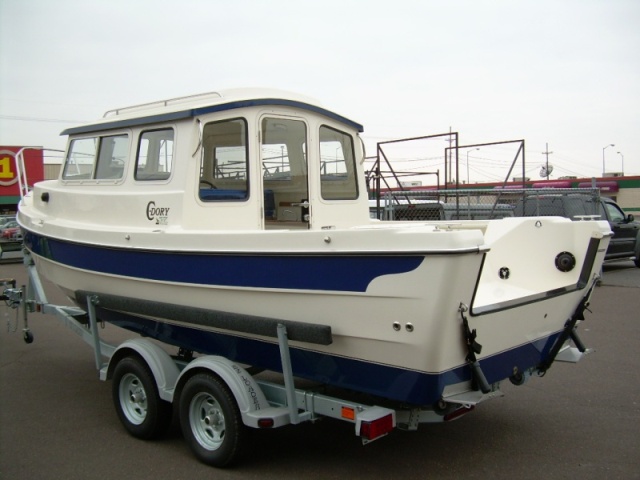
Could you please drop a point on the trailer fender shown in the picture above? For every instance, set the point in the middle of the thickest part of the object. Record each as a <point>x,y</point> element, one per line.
<point>246,391</point>
<point>164,369</point>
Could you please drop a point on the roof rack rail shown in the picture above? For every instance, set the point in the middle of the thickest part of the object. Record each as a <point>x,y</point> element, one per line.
<point>160,103</point>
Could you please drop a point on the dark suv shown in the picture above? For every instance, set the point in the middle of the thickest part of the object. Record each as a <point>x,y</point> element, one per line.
<point>625,242</point>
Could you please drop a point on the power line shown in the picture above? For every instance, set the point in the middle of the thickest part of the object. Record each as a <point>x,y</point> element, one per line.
<point>39,119</point>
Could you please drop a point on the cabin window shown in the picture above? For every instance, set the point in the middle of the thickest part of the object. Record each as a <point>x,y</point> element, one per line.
<point>337,165</point>
<point>284,149</point>
<point>97,158</point>
<point>224,168</point>
<point>81,159</point>
<point>155,155</point>
<point>112,154</point>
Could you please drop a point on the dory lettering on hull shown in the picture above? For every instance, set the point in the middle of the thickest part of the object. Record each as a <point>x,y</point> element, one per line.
<point>207,221</point>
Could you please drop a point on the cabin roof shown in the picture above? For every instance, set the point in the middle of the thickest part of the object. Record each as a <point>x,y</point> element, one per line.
<point>195,105</point>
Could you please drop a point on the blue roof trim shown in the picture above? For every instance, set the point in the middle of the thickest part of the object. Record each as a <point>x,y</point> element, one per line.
<point>131,122</point>
<point>282,103</point>
<point>193,112</point>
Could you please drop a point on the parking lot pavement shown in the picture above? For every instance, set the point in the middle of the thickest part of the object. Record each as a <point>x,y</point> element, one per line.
<point>578,421</point>
<point>621,274</point>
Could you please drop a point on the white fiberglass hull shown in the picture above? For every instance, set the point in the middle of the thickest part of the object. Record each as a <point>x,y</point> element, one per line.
<point>389,308</point>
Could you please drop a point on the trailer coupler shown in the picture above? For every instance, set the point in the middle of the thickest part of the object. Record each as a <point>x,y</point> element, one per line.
<point>7,293</point>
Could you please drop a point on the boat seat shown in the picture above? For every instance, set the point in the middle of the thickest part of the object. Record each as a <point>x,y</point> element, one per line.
<point>219,194</point>
<point>213,194</point>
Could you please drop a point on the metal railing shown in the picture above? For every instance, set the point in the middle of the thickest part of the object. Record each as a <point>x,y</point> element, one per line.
<point>21,171</point>
<point>484,204</point>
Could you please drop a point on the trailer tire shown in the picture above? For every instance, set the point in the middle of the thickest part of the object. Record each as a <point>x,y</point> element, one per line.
<point>211,421</point>
<point>138,405</point>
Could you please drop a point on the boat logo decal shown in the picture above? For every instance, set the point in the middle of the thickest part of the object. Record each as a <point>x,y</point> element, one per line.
<point>504,273</point>
<point>159,215</point>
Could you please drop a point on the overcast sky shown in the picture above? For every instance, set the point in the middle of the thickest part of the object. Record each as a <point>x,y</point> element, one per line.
<point>566,73</point>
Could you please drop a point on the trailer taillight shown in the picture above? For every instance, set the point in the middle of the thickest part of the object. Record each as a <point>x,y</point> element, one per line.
<point>370,430</point>
<point>265,423</point>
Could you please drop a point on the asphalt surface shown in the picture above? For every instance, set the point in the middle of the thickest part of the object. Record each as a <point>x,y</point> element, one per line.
<point>57,420</point>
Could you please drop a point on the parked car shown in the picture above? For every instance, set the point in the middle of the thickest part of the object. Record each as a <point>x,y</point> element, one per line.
<point>12,233</point>
<point>4,219</point>
<point>625,242</point>
<point>8,225</point>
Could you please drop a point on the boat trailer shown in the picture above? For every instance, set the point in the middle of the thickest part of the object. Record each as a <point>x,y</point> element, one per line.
<point>217,398</point>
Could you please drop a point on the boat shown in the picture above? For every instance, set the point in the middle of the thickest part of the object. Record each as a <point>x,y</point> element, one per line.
<point>207,221</point>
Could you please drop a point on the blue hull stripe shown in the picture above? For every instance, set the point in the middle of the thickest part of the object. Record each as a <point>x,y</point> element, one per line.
<point>389,382</point>
<point>328,272</point>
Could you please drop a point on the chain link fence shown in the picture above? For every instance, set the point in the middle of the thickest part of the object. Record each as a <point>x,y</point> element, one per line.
<point>484,204</point>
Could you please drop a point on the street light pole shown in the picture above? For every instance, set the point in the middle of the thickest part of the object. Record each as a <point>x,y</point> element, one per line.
<point>603,149</point>
<point>622,167</point>
<point>468,164</point>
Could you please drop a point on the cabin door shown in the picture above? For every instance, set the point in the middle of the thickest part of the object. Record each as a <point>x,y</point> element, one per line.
<point>285,173</point>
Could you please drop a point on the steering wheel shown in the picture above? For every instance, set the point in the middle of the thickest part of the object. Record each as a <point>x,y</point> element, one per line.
<point>207,182</point>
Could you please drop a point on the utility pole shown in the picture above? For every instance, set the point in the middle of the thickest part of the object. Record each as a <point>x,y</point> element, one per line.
<point>449,178</point>
<point>547,153</point>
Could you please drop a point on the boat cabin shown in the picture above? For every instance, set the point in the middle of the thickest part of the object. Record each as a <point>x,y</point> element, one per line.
<point>240,159</point>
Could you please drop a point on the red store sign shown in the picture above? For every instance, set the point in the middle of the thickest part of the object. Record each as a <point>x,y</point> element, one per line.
<point>33,163</point>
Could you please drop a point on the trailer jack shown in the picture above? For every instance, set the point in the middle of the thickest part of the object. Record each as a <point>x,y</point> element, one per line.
<point>14,299</point>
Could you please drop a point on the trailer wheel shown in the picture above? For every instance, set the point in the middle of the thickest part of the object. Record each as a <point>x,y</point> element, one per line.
<point>211,421</point>
<point>135,395</point>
